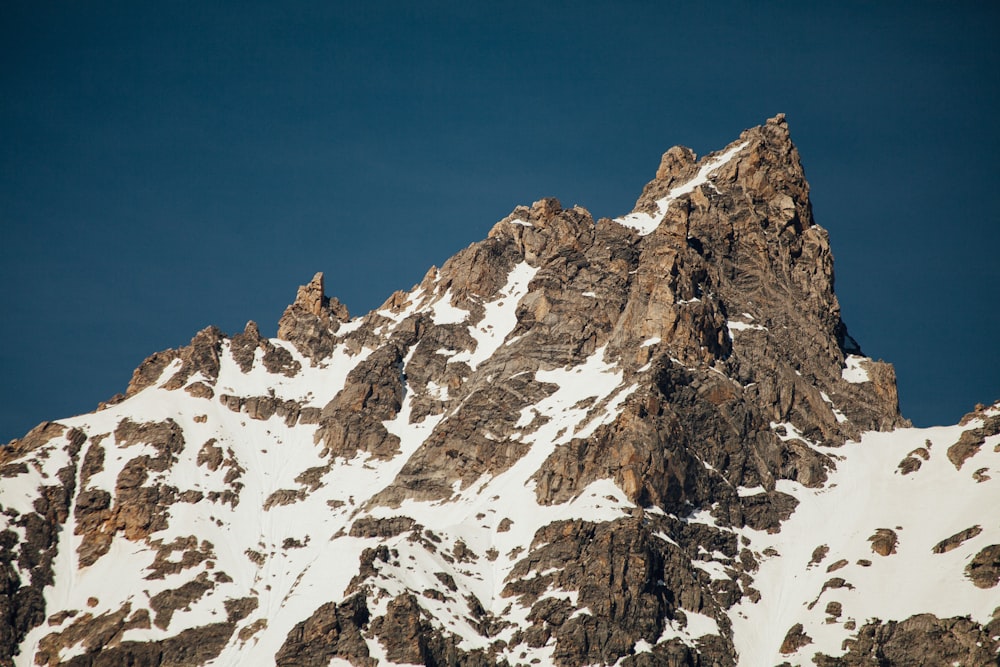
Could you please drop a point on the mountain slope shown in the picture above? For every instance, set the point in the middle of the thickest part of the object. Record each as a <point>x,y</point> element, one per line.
<point>647,440</point>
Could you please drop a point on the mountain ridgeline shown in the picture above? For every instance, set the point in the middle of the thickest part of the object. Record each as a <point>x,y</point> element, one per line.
<point>641,441</point>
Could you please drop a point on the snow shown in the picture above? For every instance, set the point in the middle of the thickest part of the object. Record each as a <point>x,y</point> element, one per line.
<point>594,379</point>
<point>791,432</point>
<point>289,583</point>
<point>645,223</point>
<point>666,538</point>
<point>853,370</point>
<point>715,570</point>
<point>500,318</point>
<point>350,327</point>
<point>698,625</point>
<point>735,325</point>
<point>443,312</point>
<point>866,493</point>
<point>472,517</point>
<point>838,415</point>
<point>19,493</point>
<point>415,298</point>
<point>313,386</point>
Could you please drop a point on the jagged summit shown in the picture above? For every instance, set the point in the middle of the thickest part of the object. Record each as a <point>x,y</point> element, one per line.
<point>626,441</point>
<point>312,319</point>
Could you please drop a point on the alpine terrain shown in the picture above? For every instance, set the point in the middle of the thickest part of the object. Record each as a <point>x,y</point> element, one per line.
<point>641,441</point>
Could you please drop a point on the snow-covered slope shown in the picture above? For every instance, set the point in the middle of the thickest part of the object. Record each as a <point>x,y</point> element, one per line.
<point>638,441</point>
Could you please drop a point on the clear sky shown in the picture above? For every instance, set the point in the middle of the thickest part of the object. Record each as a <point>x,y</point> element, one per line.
<point>166,166</point>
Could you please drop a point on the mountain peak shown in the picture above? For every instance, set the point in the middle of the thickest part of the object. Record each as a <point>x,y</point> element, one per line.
<point>576,442</point>
<point>312,296</point>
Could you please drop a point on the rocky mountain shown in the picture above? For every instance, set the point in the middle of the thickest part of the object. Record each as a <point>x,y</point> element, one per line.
<point>641,441</point>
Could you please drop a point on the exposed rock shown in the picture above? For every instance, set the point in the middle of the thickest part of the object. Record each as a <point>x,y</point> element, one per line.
<point>210,455</point>
<point>919,640</point>
<point>984,568</point>
<point>372,527</point>
<point>947,544</point>
<point>26,556</point>
<point>408,637</point>
<point>971,440</point>
<point>200,390</point>
<point>93,632</point>
<point>237,610</point>
<point>166,602</point>
<point>284,497</point>
<point>312,320</point>
<point>167,563</point>
<point>34,439</point>
<point>200,356</point>
<point>884,541</point>
<point>332,631</point>
<point>264,407</point>
<point>795,639</point>
<point>836,565</point>
<point>818,554</point>
<point>353,421</point>
<point>136,509</point>
<point>587,558</point>
<point>150,371</point>
<point>191,647</point>
<point>275,359</point>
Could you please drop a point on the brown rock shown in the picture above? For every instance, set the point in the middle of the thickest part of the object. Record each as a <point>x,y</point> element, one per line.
<point>818,554</point>
<point>794,639</point>
<point>919,640</point>
<point>331,631</point>
<point>955,541</point>
<point>884,541</point>
<point>312,320</point>
<point>971,440</point>
<point>984,568</point>
<point>200,356</point>
<point>165,603</point>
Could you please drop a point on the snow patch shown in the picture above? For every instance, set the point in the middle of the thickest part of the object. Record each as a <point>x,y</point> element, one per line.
<point>645,223</point>
<point>500,318</point>
<point>853,371</point>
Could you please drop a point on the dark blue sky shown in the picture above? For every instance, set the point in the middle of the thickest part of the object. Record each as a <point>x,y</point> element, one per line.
<point>166,166</point>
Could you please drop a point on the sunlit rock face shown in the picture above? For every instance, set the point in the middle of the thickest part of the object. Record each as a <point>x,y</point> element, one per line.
<point>640,441</point>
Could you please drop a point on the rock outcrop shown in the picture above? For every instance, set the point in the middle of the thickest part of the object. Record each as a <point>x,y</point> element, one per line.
<point>312,319</point>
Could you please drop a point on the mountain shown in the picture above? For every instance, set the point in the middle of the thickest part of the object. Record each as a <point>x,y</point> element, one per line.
<point>641,441</point>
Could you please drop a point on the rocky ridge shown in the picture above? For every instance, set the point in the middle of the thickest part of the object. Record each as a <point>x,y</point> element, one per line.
<point>647,440</point>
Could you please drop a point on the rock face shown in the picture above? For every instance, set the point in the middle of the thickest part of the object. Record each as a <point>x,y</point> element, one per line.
<point>312,320</point>
<point>577,442</point>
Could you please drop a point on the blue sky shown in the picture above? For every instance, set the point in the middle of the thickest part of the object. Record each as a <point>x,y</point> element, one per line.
<point>165,167</point>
